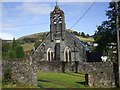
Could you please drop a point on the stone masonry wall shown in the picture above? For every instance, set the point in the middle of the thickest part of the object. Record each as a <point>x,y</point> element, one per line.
<point>98,74</point>
<point>22,70</point>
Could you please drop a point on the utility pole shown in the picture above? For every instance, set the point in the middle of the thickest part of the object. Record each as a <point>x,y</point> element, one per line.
<point>118,39</point>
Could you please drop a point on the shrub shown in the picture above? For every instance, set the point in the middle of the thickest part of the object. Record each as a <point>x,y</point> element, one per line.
<point>11,54</point>
<point>19,52</point>
<point>7,76</point>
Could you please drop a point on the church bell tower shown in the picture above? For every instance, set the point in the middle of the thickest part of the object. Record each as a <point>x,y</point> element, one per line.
<point>57,24</point>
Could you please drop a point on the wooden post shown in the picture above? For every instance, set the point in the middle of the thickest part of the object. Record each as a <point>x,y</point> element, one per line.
<point>118,39</point>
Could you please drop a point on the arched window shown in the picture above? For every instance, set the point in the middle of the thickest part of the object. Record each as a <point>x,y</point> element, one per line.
<point>50,54</point>
<point>67,54</point>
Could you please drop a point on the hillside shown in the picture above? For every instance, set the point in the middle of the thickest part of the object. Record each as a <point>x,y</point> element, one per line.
<point>36,35</point>
<point>29,41</point>
<point>28,46</point>
<point>85,39</point>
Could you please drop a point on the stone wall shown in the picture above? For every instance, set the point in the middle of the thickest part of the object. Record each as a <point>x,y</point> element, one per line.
<point>101,80</point>
<point>22,70</point>
<point>98,74</point>
<point>86,67</point>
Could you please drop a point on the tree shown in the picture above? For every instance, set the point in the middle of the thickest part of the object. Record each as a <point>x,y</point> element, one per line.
<point>83,34</point>
<point>105,35</point>
<point>12,50</point>
<point>76,33</point>
<point>11,54</point>
<point>87,35</point>
<point>19,52</point>
<point>5,48</point>
<point>14,44</point>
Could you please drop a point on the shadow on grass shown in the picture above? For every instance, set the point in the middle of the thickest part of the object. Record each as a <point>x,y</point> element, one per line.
<point>83,83</point>
<point>73,74</point>
<point>43,80</point>
<point>53,82</point>
<point>40,86</point>
<point>40,80</point>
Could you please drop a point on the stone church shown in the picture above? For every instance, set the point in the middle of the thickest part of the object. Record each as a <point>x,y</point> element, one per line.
<point>60,44</point>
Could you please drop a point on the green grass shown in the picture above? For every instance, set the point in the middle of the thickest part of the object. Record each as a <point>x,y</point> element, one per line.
<point>27,46</point>
<point>85,39</point>
<point>60,80</point>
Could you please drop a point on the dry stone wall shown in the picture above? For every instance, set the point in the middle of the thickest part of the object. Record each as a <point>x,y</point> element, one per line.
<point>98,74</point>
<point>22,70</point>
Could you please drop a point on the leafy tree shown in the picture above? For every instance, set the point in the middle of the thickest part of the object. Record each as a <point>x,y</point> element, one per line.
<point>14,44</point>
<point>19,52</point>
<point>83,34</point>
<point>87,35</point>
<point>76,33</point>
<point>5,48</point>
<point>11,54</point>
<point>105,35</point>
<point>12,50</point>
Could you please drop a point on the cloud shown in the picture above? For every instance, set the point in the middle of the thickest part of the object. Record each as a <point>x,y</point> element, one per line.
<point>6,25</point>
<point>6,36</point>
<point>34,8</point>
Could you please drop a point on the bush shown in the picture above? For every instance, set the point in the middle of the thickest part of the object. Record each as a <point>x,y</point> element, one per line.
<point>19,52</point>
<point>11,54</point>
<point>83,34</point>
<point>76,33</point>
<point>7,75</point>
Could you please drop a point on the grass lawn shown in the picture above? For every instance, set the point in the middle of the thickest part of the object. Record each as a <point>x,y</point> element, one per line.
<point>60,80</point>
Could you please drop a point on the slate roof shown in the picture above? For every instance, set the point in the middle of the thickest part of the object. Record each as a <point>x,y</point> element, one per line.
<point>78,41</point>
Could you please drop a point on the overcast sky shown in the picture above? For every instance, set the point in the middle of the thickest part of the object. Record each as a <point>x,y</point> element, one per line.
<point>24,18</point>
